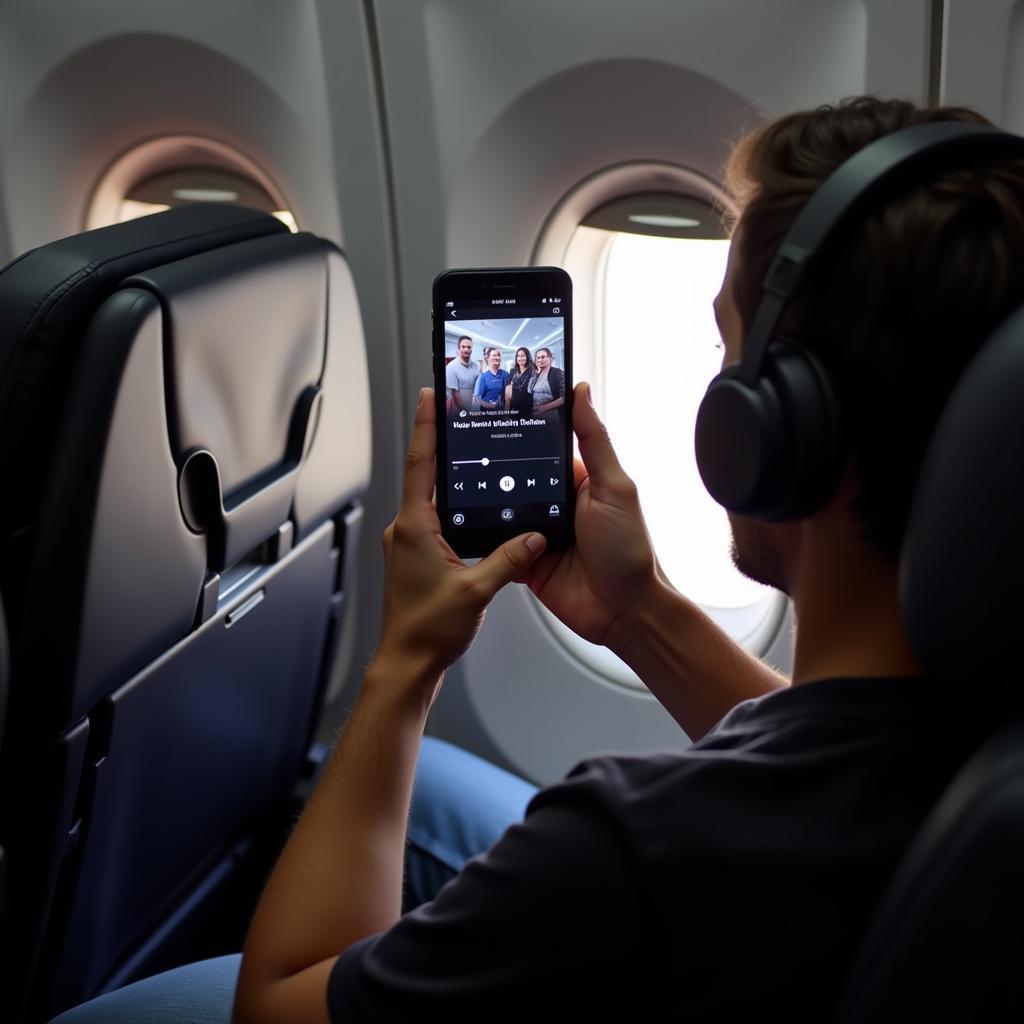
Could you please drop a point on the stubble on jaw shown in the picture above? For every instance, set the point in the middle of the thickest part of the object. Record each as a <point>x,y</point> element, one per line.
<point>754,554</point>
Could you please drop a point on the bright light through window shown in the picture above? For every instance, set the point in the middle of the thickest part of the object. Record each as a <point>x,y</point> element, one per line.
<point>177,169</point>
<point>646,263</point>
<point>130,209</point>
<point>661,348</point>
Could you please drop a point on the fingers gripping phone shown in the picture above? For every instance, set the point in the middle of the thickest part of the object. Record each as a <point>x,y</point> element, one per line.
<point>502,345</point>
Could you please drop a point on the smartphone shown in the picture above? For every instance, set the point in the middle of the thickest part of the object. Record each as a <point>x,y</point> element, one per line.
<point>502,346</point>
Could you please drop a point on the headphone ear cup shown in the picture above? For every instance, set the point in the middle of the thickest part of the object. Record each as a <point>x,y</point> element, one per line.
<point>814,452</point>
<point>738,430</point>
<point>773,451</point>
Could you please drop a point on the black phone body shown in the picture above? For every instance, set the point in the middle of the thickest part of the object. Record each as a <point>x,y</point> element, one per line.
<point>504,422</point>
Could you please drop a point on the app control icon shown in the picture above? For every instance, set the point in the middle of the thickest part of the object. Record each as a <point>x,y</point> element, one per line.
<point>481,485</point>
<point>553,480</point>
<point>460,486</point>
<point>530,482</point>
<point>507,515</point>
<point>458,519</point>
<point>554,511</point>
<point>506,483</point>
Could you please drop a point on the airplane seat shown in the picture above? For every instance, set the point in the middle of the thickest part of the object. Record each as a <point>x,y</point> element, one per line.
<point>946,942</point>
<point>4,684</point>
<point>5,676</point>
<point>186,414</point>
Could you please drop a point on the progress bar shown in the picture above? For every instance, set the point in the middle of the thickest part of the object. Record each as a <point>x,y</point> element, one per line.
<point>487,462</point>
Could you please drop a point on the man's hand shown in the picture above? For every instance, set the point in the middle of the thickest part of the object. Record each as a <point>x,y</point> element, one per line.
<point>609,589</point>
<point>433,604</point>
<point>612,566</point>
<point>339,878</point>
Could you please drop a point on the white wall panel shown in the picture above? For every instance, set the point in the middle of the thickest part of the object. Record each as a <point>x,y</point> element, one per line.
<point>977,54</point>
<point>488,113</point>
<point>897,48</point>
<point>98,77</point>
<point>1013,93</point>
<point>361,176</point>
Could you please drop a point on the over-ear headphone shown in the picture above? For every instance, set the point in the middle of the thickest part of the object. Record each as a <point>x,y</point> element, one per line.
<point>769,434</point>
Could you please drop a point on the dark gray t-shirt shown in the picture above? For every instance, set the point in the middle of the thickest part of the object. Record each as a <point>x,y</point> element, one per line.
<point>730,881</point>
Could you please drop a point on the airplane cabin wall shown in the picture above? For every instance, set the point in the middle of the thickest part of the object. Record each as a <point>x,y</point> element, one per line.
<point>982,61</point>
<point>496,112</point>
<point>424,134</point>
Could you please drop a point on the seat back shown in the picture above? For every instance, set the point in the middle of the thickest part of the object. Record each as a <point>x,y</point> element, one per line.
<point>947,941</point>
<point>4,684</point>
<point>180,583</point>
<point>5,671</point>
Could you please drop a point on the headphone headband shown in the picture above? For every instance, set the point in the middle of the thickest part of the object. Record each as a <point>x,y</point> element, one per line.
<point>855,180</point>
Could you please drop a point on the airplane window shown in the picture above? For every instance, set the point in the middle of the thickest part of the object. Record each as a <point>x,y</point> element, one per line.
<point>661,348</point>
<point>177,170</point>
<point>199,185</point>
<point>646,268</point>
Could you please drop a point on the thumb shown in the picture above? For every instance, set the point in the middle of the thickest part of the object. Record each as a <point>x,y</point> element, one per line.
<point>508,562</point>
<point>603,466</point>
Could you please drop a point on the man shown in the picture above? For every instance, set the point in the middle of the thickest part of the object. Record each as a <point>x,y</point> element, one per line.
<point>735,879</point>
<point>460,377</point>
<point>732,881</point>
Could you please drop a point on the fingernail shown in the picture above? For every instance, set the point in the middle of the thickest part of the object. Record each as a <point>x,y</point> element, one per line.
<point>419,400</point>
<point>590,397</point>
<point>534,543</point>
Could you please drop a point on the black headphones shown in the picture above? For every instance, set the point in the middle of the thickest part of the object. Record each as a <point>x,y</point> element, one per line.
<point>769,434</point>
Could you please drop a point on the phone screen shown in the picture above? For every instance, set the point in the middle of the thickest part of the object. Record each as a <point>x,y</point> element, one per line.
<point>503,368</point>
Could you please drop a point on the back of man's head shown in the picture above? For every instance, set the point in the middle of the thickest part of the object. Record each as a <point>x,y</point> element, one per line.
<point>902,298</point>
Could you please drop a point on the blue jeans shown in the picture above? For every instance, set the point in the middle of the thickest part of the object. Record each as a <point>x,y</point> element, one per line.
<point>460,807</point>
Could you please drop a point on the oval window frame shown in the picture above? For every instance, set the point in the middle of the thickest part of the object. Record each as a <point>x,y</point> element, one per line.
<point>551,249</point>
<point>164,154</point>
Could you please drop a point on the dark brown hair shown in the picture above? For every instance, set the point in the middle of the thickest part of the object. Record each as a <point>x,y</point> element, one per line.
<point>902,297</point>
<point>529,368</point>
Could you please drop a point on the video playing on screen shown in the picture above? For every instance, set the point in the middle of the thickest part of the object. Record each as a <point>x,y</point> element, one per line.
<point>505,391</point>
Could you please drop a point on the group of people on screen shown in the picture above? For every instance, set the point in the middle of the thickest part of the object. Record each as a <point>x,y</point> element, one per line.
<point>532,387</point>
